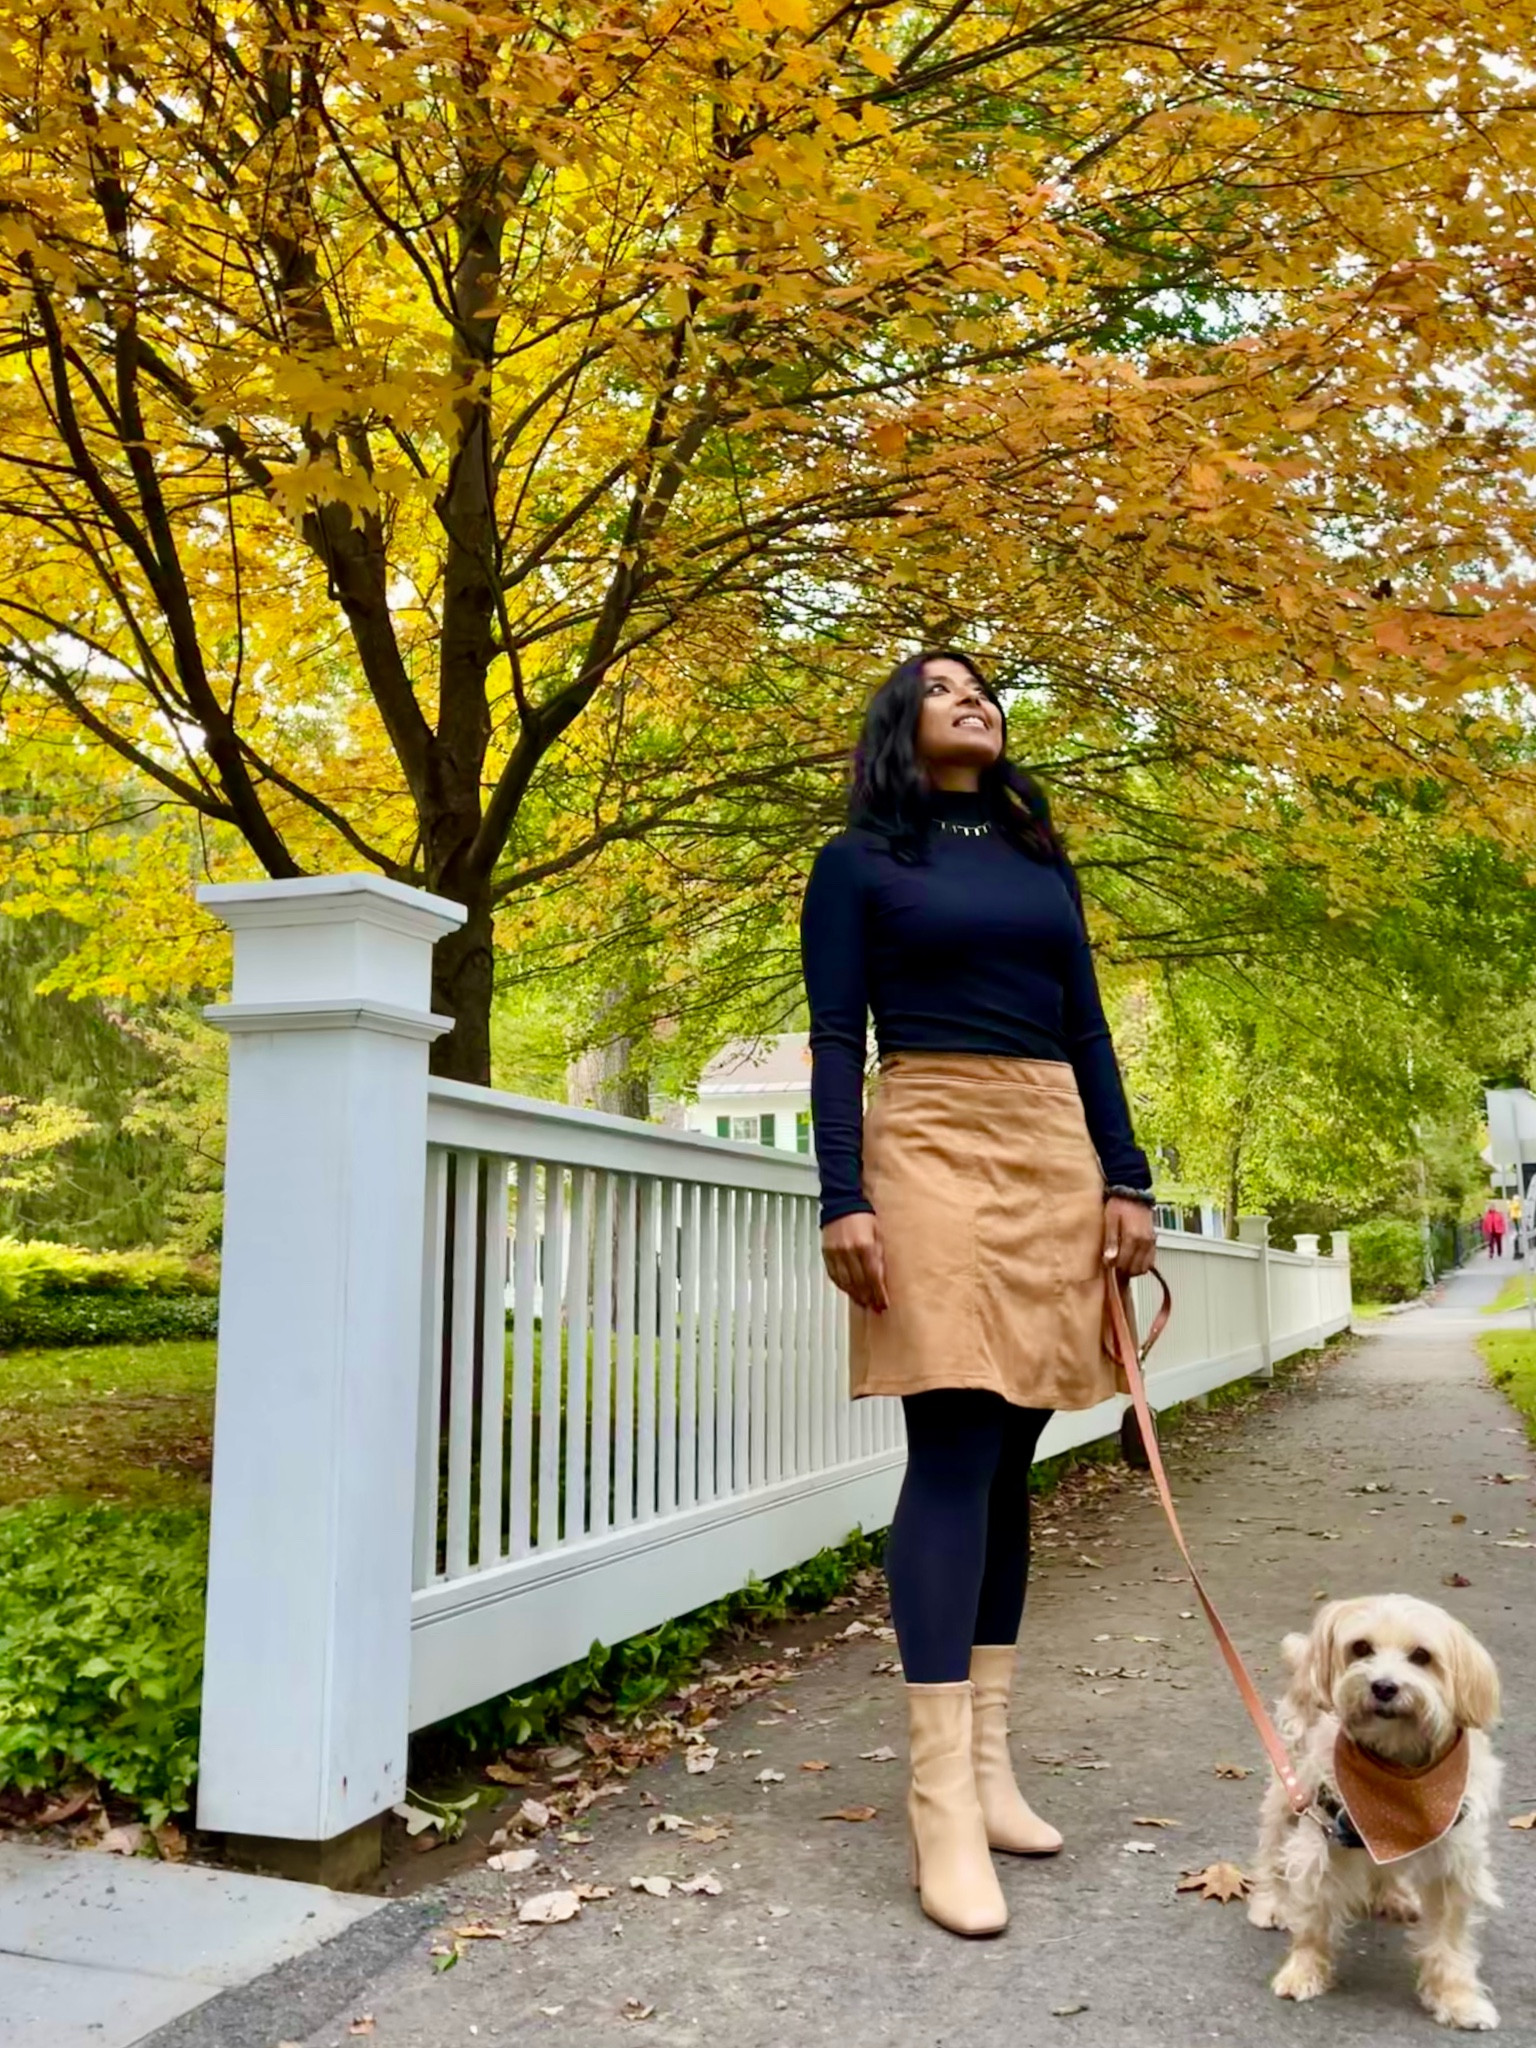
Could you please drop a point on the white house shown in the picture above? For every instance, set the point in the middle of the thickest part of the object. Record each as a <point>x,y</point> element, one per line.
<point>758,1091</point>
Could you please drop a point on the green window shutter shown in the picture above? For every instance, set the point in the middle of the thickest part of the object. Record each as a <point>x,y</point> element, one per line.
<point>765,1129</point>
<point>722,1127</point>
<point>803,1131</point>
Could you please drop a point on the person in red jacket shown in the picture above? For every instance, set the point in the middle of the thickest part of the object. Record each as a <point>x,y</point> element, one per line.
<point>1494,1226</point>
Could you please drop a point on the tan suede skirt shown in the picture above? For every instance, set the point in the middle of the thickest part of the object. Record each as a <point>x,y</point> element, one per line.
<point>990,1201</point>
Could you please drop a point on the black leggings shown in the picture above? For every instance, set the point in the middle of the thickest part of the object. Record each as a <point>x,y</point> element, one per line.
<point>957,1558</point>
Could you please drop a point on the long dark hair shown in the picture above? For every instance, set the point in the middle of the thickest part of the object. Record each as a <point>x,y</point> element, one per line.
<point>891,794</point>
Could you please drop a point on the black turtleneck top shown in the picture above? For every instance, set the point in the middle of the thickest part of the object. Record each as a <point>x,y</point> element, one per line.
<point>976,948</point>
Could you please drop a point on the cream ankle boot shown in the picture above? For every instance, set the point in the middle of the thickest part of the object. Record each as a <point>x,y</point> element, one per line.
<point>951,1869</point>
<point>1011,1822</point>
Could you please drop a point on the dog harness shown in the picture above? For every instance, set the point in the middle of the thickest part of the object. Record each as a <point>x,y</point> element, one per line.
<point>1388,1810</point>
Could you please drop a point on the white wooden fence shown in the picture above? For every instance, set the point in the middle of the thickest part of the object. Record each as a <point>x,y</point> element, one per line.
<point>423,1499</point>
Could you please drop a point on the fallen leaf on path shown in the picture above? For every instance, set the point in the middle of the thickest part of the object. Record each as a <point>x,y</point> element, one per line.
<point>1513,1543</point>
<point>562,1759</point>
<point>125,1841</point>
<point>1234,1771</point>
<point>770,1777</point>
<point>1219,1881</point>
<point>171,1842</point>
<point>698,1761</point>
<point>1138,1849</point>
<point>551,2012</point>
<point>1455,1579</point>
<point>658,1887</point>
<point>815,1764</point>
<point>713,1832</point>
<point>533,1813</point>
<point>1094,1564</point>
<point>1067,2012</point>
<point>64,1809</point>
<point>706,1882</point>
<point>668,1824</point>
<point>636,2009</point>
<point>363,2024</point>
<point>854,1628</point>
<point>504,1774</point>
<point>1457,1520</point>
<point>854,1813</point>
<point>1524,1820</point>
<point>748,1754</point>
<point>586,1892</point>
<point>479,1930</point>
<point>549,1908</point>
<point>884,1755</point>
<point>1152,1820</point>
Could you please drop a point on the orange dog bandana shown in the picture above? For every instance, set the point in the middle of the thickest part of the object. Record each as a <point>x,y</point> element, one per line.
<point>1396,1811</point>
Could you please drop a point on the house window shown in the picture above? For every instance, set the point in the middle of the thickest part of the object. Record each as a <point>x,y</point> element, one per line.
<point>722,1127</point>
<point>743,1129</point>
<point>803,1131</point>
<point>765,1130</point>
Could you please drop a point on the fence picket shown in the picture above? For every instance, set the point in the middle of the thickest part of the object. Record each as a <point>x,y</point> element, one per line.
<point>711,1202</point>
<point>461,1356</point>
<point>573,1520</point>
<point>493,1361</point>
<point>624,1360</point>
<point>551,1348</point>
<point>601,1490</point>
<point>645,1451</point>
<point>666,1350</point>
<point>773,1341</point>
<point>525,1267</point>
<point>688,1347</point>
<point>429,1406</point>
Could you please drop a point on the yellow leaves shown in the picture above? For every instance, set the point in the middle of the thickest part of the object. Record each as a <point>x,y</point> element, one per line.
<point>764,16</point>
<point>890,439</point>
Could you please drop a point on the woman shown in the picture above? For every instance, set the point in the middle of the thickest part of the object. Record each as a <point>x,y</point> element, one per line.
<point>971,1219</point>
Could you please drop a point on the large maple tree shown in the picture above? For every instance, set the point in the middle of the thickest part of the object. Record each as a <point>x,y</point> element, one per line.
<point>456,439</point>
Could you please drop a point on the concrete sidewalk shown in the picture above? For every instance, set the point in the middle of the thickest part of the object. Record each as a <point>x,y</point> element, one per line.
<point>1347,1486</point>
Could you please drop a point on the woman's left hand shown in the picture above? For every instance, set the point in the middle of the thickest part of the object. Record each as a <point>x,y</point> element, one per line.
<point>1130,1236</point>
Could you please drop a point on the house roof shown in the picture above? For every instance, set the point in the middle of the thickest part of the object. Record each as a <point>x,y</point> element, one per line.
<point>760,1064</point>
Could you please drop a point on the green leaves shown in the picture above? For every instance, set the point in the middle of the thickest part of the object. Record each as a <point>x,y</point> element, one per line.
<point>101,1649</point>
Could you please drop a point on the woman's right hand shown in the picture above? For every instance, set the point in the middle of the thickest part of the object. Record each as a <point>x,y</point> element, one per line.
<point>855,1259</point>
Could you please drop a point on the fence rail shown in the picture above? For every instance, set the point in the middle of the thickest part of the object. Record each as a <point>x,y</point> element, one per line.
<point>498,1379</point>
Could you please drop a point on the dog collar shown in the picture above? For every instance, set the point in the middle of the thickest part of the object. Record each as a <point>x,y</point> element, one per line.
<point>1389,1810</point>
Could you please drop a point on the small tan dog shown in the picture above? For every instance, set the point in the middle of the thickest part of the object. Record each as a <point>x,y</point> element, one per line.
<point>1393,1697</point>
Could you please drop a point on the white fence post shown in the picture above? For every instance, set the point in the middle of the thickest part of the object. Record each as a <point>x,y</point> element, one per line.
<point>1255,1230</point>
<point>306,1686</point>
<point>1306,1245</point>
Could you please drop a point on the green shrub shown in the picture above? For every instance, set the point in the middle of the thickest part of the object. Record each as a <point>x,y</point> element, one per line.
<point>40,1270</point>
<point>50,1321</point>
<point>1386,1259</point>
<point>101,1648</point>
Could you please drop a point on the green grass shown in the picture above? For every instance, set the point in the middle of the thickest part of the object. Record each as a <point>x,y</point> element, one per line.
<point>1367,1311</point>
<point>1510,1296</point>
<point>1511,1358</point>
<point>126,1424</point>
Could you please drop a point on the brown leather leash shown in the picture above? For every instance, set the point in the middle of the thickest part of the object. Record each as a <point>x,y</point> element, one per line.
<point>1130,1359</point>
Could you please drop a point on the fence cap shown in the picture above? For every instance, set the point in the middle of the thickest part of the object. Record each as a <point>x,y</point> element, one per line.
<point>333,899</point>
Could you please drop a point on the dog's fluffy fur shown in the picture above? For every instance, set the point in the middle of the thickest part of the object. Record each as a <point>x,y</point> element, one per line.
<point>1314,1888</point>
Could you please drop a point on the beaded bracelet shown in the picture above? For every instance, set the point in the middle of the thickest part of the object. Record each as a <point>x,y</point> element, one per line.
<point>1143,1195</point>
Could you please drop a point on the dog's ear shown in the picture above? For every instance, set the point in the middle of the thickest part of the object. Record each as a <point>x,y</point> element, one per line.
<point>1312,1658</point>
<point>1474,1680</point>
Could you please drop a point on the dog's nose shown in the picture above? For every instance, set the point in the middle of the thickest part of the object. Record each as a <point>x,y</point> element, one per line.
<point>1385,1689</point>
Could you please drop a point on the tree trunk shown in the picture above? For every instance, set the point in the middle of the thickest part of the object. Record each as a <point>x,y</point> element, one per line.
<point>463,982</point>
